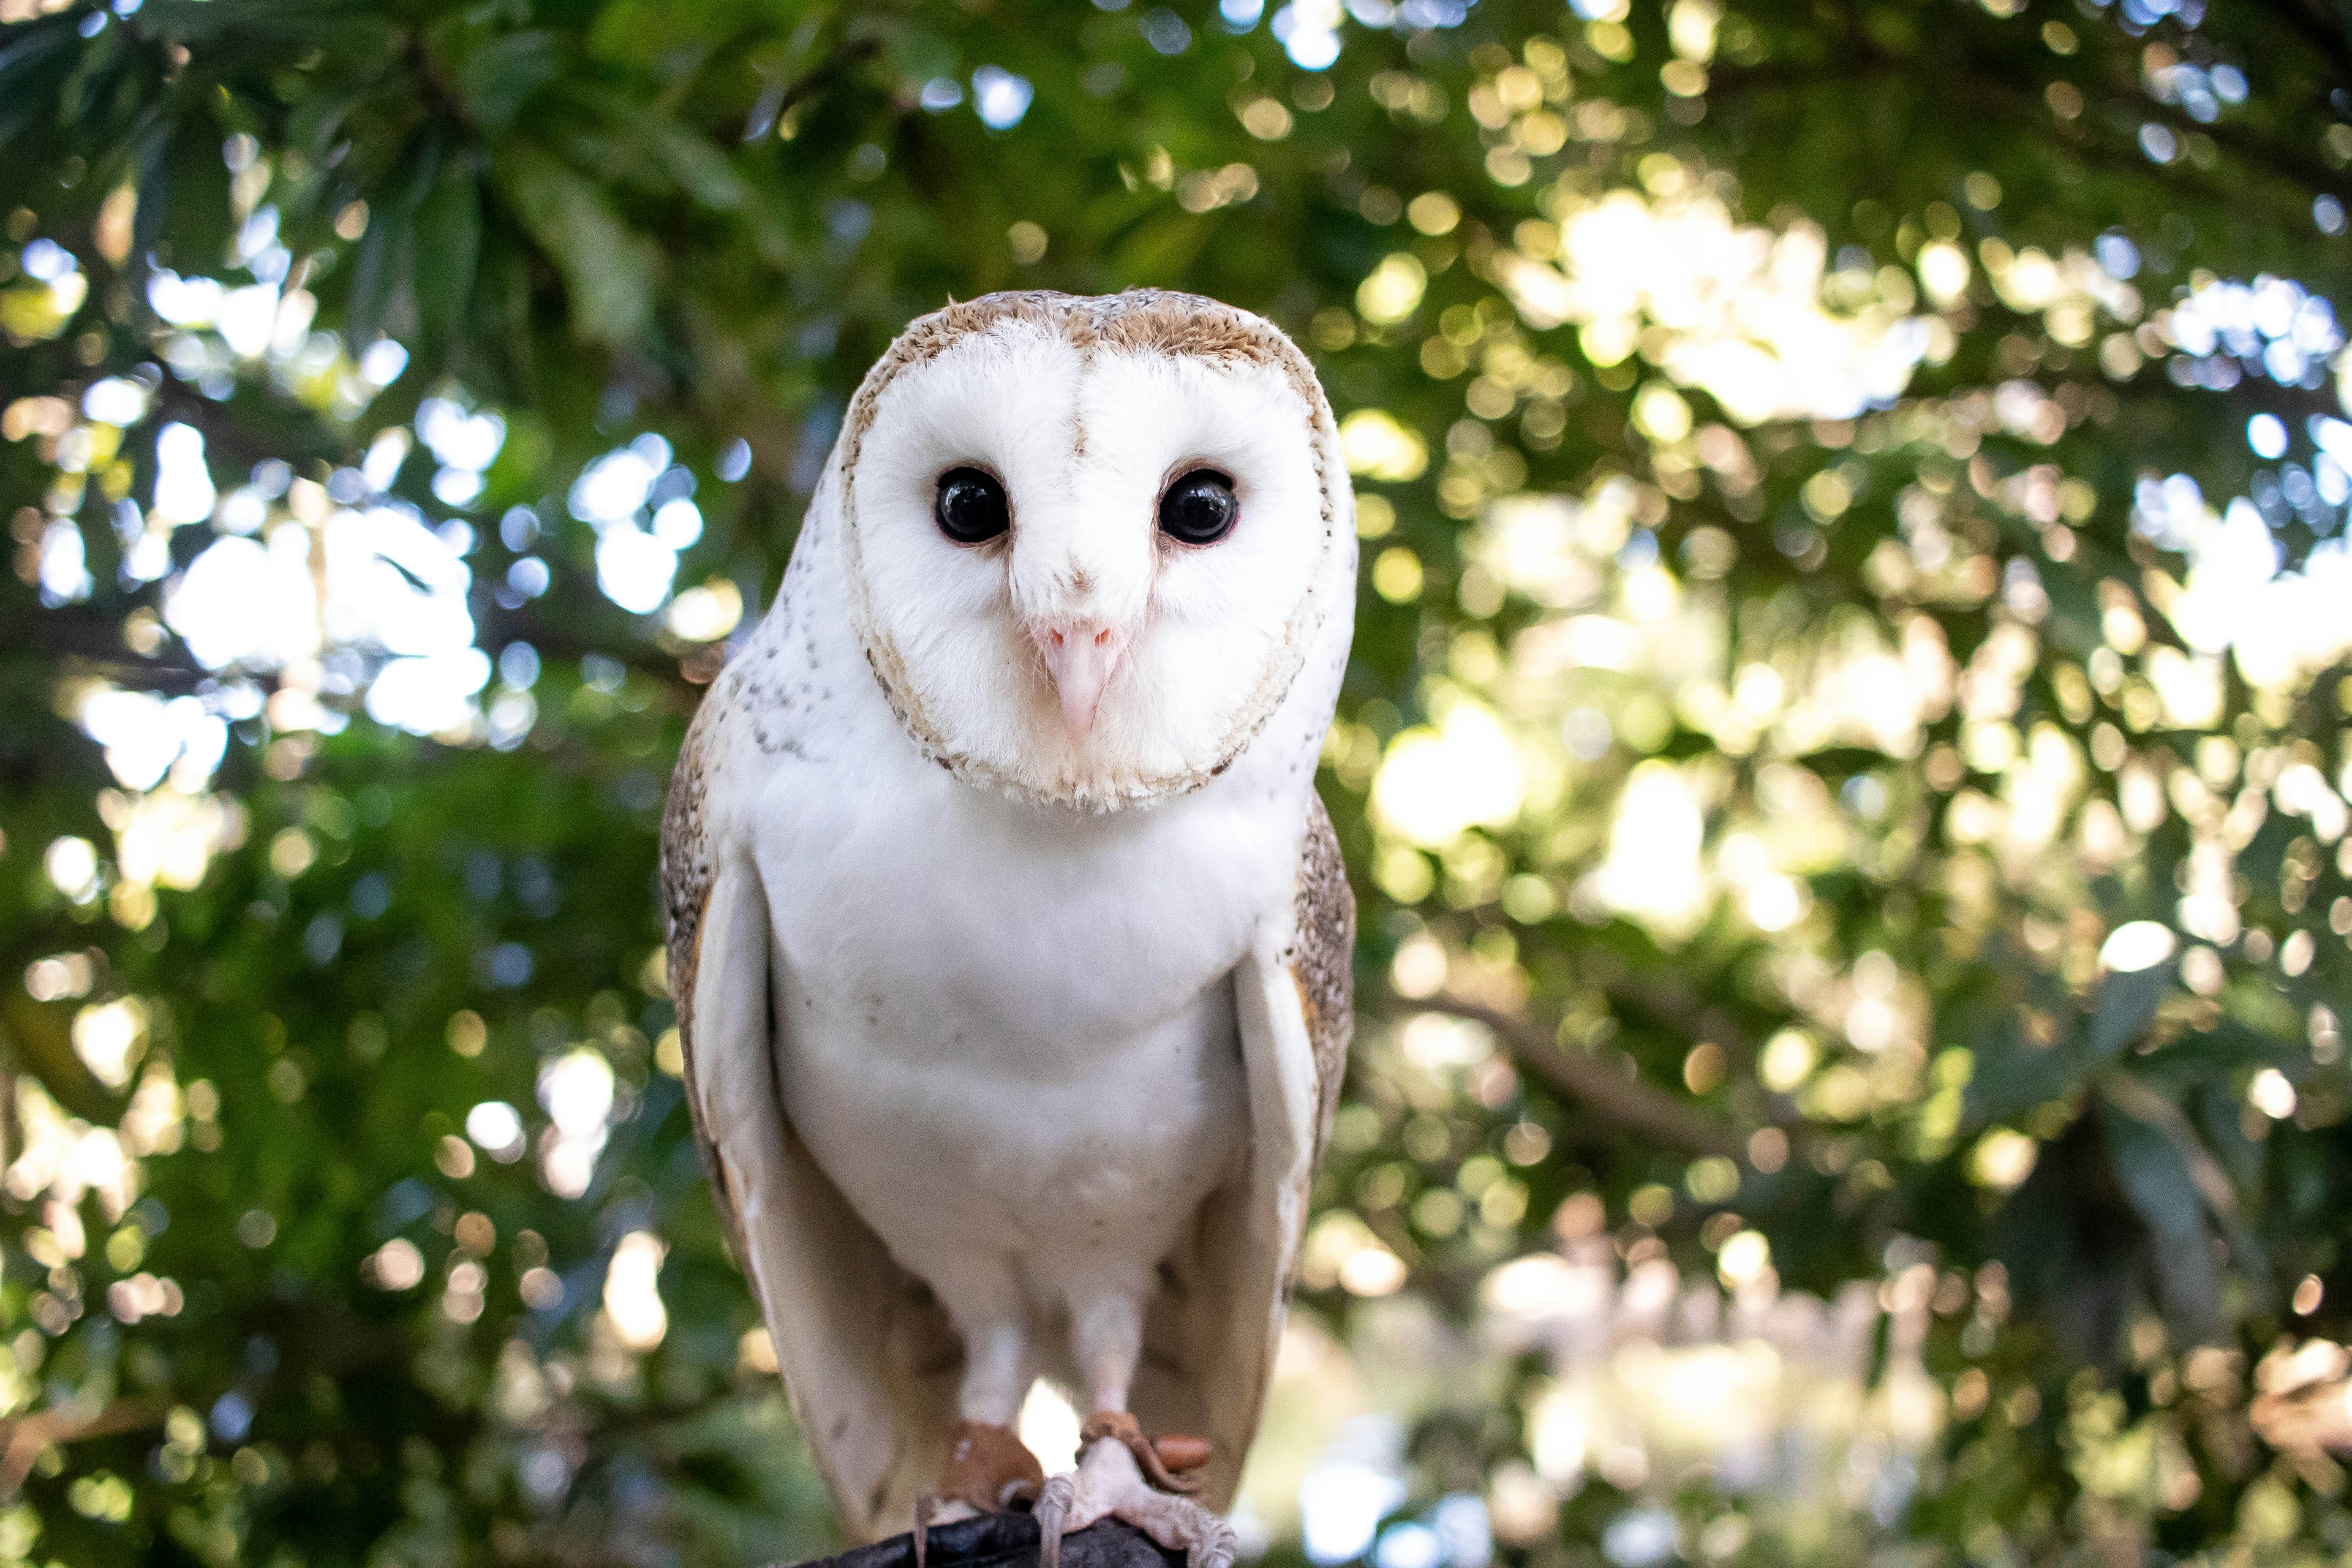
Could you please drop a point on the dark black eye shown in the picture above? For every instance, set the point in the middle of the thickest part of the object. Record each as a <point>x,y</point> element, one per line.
<point>1199,508</point>
<point>971,508</point>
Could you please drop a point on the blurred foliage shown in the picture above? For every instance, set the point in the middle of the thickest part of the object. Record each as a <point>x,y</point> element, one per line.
<point>1795,637</point>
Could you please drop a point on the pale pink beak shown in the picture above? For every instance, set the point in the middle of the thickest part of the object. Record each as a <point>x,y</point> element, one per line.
<point>1081,659</point>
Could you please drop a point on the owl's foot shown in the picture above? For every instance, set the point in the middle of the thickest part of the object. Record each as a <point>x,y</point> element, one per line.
<point>1173,1463</point>
<point>1111,1483</point>
<point>989,1470</point>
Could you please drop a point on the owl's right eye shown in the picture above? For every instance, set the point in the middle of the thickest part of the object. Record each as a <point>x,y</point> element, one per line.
<point>971,508</point>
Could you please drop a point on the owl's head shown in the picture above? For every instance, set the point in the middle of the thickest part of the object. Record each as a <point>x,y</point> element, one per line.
<point>1091,542</point>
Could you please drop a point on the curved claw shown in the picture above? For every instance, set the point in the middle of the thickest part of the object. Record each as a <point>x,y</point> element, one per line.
<point>925,1506</point>
<point>1216,1545</point>
<point>1053,1511</point>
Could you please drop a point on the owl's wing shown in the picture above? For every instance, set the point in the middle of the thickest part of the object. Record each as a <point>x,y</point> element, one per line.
<point>1212,1331</point>
<point>867,1356</point>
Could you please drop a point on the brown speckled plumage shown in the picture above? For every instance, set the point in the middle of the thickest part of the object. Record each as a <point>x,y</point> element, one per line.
<point>1321,959</point>
<point>688,870</point>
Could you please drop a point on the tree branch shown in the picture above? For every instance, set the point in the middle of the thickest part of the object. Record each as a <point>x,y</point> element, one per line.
<point>91,638</point>
<point>1943,77</point>
<point>495,626</point>
<point>1636,1107</point>
<point>1687,1014</point>
<point>22,1440</point>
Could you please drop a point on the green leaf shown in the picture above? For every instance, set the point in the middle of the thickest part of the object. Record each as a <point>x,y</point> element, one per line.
<point>2126,1008</point>
<point>699,168</point>
<point>496,78</point>
<point>448,249</point>
<point>35,59</point>
<point>2013,1075</point>
<point>2153,1171</point>
<point>608,271</point>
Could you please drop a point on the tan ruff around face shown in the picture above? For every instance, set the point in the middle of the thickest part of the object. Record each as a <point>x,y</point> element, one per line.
<point>1086,656</point>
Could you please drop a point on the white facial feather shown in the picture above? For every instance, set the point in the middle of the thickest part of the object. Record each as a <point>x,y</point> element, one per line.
<point>1086,433</point>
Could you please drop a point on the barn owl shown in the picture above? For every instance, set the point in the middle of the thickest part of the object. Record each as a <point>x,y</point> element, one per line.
<point>1009,938</point>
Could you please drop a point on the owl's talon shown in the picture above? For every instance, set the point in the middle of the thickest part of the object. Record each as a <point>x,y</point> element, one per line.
<point>1111,1483</point>
<point>1055,1501</point>
<point>1218,1545</point>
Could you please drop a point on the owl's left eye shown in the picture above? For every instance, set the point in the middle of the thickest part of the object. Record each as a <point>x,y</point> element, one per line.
<point>971,508</point>
<point>1200,508</point>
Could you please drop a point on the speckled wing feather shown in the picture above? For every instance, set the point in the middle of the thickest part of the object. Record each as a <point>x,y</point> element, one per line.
<point>687,873</point>
<point>1212,1331</point>
<point>867,1355</point>
<point>1321,956</point>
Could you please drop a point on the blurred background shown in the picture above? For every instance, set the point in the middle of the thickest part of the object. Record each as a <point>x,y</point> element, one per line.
<point>1844,766</point>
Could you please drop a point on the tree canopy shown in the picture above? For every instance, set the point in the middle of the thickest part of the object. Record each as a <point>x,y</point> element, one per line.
<point>1844,762</point>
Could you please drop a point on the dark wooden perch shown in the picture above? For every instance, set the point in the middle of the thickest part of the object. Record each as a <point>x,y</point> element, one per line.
<point>1010,1540</point>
